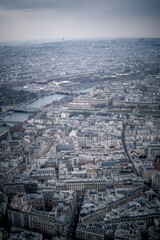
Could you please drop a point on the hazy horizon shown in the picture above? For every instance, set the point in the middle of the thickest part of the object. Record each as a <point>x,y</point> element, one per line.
<point>73,19</point>
<point>52,40</point>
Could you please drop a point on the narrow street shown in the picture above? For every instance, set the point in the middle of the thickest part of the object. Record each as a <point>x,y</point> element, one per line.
<point>76,218</point>
<point>124,142</point>
<point>125,146</point>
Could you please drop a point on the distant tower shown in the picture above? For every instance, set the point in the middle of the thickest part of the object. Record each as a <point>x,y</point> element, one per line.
<point>9,138</point>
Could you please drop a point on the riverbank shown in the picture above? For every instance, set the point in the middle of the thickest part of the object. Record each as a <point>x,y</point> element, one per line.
<point>20,117</point>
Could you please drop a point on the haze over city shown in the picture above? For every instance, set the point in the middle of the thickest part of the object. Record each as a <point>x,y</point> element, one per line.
<point>52,19</point>
<point>80,119</point>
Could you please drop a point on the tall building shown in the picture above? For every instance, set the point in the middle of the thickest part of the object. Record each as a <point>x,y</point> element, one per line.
<point>3,233</point>
<point>156,181</point>
<point>9,138</point>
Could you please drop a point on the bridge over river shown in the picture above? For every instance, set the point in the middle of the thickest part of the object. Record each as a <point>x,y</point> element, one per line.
<point>26,110</point>
<point>4,122</point>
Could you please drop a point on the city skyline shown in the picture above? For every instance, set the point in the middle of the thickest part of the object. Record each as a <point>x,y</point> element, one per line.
<point>80,139</point>
<point>31,20</point>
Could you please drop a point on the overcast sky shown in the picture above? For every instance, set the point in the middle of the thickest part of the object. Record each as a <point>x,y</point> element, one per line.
<point>44,19</point>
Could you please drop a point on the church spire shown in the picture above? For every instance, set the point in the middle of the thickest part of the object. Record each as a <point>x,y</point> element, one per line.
<point>9,138</point>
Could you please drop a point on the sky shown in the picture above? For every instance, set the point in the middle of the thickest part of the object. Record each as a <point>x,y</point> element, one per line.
<point>56,19</point>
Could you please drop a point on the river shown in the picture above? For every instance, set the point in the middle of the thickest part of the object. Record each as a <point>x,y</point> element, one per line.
<point>17,117</point>
<point>45,100</point>
<point>85,90</point>
<point>3,129</point>
<point>21,117</point>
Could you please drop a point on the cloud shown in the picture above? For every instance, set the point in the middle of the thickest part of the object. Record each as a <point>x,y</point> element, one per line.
<point>129,5</point>
<point>90,8</point>
<point>28,19</point>
<point>44,4</point>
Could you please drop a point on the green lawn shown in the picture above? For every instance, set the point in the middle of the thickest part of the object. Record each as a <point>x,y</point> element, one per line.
<point>149,112</point>
<point>119,111</point>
